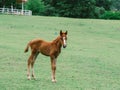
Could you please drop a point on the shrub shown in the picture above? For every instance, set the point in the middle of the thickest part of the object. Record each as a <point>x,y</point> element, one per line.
<point>111,15</point>
<point>36,6</point>
<point>99,11</point>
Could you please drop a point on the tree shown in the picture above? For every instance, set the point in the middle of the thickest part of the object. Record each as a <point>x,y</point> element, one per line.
<point>7,3</point>
<point>106,4</point>
<point>36,6</point>
<point>116,4</point>
<point>72,8</point>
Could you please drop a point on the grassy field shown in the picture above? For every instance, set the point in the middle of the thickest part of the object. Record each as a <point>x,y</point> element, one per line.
<point>91,60</point>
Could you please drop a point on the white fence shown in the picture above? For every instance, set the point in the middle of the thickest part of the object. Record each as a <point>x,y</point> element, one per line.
<point>15,11</point>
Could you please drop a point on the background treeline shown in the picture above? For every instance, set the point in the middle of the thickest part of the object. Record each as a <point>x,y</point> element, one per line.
<point>107,9</point>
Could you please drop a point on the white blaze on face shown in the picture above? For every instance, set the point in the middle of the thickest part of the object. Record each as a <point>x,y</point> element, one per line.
<point>64,41</point>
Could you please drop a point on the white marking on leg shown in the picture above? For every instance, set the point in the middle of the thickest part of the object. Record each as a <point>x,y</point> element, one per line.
<point>29,78</point>
<point>33,75</point>
<point>28,74</point>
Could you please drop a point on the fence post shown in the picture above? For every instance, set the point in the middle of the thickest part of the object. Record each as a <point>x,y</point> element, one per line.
<point>3,9</point>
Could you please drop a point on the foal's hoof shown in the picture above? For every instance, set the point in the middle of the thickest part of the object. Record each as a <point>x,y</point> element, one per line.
<point>29,78</point>
<point>54,81</point>
<point>34,78</point>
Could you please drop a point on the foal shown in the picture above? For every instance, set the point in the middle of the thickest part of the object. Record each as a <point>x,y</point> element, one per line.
<point>51,49</point>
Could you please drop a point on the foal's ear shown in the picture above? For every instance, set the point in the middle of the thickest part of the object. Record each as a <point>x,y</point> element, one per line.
<point>66,32</point>
<point>60,32</point>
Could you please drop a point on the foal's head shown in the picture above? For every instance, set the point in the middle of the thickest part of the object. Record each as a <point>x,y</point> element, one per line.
<point>63,36</point>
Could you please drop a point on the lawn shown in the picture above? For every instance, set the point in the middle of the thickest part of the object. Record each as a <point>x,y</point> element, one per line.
<point>91,60</point>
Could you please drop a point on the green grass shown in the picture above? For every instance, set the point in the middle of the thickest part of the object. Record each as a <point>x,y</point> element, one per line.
<point>91,60</point>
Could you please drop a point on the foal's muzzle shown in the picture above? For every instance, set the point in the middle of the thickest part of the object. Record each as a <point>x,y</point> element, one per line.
<point>64,46</point>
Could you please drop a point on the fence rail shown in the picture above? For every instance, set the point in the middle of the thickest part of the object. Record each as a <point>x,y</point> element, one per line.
<point>15,11</point>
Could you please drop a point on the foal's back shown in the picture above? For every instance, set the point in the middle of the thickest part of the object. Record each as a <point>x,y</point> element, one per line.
<point>41,46</point>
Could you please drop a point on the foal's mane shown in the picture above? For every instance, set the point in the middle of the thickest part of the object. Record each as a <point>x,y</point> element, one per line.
<point>57,42</point>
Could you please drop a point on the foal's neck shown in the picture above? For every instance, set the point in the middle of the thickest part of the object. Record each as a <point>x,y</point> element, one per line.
<point>58,42</point>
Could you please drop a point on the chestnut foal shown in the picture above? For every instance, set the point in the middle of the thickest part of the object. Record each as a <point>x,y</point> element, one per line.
<point>51,49</point>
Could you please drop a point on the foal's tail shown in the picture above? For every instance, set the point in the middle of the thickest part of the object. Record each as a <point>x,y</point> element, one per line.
<point>27,48</point>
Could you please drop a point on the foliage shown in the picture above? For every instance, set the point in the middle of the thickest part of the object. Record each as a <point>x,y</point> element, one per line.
<point>77,8</point>
<point>116,4</point>
<point>106,4</point>
<point>111,15</point>
<point>7,3</point>
<point>50,11</point>
<point>73,8</point>
<point>37,6</point>
<point>99,11</point>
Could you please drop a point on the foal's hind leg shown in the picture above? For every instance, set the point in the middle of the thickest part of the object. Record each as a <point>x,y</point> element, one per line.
<point>32,64</point>
<point>29,65</point>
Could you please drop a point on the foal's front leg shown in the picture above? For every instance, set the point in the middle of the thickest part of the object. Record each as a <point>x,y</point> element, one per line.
<point>53,67</point>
